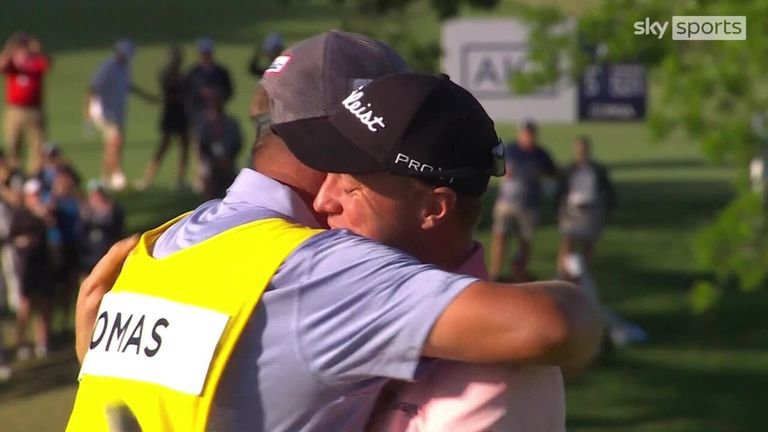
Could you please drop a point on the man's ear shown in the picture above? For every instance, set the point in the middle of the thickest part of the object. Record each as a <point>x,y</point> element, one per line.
<point>440,202</point>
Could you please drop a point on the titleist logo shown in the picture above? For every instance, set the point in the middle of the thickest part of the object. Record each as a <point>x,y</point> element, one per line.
<point>364,113</point>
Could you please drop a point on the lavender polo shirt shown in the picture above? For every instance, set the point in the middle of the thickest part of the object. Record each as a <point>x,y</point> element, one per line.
<point>341,316</point>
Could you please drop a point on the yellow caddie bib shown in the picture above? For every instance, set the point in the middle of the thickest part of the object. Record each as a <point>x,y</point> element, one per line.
<point>165,332</point>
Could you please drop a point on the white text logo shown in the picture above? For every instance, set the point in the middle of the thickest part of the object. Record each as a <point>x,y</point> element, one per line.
<point>690,27</point>
<point>413,163</point>
<point>364,113</point>
<point>278,64</point>
<point>651,28</point>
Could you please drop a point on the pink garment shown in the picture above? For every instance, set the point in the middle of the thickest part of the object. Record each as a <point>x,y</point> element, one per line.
<point>453,396</point>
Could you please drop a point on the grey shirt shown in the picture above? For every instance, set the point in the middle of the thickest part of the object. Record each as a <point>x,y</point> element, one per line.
<point>341,316</point>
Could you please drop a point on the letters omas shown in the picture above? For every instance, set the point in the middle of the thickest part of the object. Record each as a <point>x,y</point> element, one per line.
<point>115,333</point>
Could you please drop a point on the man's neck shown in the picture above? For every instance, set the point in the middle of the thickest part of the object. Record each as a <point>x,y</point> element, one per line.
<point>445,250</point>
<point>291,181</point>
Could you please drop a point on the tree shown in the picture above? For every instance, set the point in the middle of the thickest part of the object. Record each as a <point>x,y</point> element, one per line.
<point>710,89</point>
<point>406,24</point>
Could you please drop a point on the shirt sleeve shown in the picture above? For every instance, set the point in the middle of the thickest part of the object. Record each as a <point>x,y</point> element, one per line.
<point>226,83</point>
<point>97,81</point>
<point>547,163</point>
<point>365,310</point>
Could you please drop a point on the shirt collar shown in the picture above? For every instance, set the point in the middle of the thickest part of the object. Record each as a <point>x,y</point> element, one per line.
<point>475,264</point>
<point>253,188</point>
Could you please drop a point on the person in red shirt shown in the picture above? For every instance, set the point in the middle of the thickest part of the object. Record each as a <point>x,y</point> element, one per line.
<point>24,65</point>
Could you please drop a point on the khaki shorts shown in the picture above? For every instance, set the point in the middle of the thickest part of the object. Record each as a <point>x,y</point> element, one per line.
<point>23,122</point>
<point>581,223</point>
<point>109,129</point>
<point>510,219</point>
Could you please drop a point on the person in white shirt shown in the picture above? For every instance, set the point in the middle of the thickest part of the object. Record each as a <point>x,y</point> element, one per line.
<point>585,195</point>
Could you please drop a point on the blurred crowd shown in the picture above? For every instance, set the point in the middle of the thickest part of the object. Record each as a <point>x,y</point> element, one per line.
<point>51,233</point>
<point>193,113</point>
<point>583,197</point>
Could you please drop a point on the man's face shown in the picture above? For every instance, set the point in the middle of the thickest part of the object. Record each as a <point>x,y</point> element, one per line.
<point>21,53</point>
<point>206,57</point>
<point>382,207</point>
<point>64,184</point>
<point>581,150</point>
<point>526,138</point>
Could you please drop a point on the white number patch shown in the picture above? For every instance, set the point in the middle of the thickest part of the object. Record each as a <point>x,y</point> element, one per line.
<point>154,340</point>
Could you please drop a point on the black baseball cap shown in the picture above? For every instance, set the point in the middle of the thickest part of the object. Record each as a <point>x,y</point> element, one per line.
<point>413,125</point>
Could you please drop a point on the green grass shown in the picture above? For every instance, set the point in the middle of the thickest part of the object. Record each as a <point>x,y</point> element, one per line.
<point>705,374</point>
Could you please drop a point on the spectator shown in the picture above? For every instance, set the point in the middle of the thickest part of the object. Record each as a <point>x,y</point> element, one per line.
<point>102,225</point>
<point>174,120</point>
<point>584,195</point>
<point>64,235</point>
<point>270,48</point>
<point>24,65</point>
<point>28,234</point>
<point>220,143</point>
<point>11,183</point>
<point>11,197</point>
<point>106,107</point>
<point>519,200</point>
<point>53,161</point>
<point>6,372</point>
<point>206,79</point>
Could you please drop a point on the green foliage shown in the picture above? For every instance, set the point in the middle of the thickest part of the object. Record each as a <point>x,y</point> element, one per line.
<point>709,89</point>
<point>735,244</point>
<point>704,297</point>
<point>545,63</point>
<point>443,8</point>
<point>405,24</point>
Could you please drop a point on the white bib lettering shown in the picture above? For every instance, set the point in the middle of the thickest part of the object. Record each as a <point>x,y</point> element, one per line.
<point>278,64</point>
<point>149,339</point>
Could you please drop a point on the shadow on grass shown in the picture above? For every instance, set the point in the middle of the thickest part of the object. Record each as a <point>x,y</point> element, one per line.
<point>89,24</point>
<point>669,204</point>
<point>33,377</point>
<point>713,400</point>
<point>669,319</point>
<point>658,163</point>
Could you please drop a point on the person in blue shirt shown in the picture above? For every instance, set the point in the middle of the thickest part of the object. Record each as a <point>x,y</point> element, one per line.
<point>518,203</point>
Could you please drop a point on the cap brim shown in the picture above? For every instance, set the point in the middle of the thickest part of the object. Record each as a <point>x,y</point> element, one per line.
<point>319,145</point>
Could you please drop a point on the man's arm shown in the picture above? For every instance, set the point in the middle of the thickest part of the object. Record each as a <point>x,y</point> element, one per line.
<point>540,323</point>
<point>7,52</point>
<point>227,87</point>
<point>549,166</point>
<point>93,289</point>
<point>143,94</point>
<point>89,95</point>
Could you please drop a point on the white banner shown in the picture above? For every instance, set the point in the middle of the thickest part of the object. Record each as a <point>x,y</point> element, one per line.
<point>481,54</point>
<point>154,340</point>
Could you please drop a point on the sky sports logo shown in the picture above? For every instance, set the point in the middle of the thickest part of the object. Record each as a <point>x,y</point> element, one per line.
<point>691,27</point>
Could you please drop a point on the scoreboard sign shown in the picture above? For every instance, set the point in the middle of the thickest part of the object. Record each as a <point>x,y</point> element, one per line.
<point>613,92</point>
